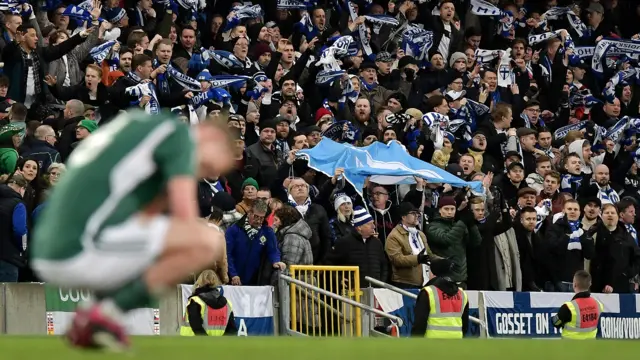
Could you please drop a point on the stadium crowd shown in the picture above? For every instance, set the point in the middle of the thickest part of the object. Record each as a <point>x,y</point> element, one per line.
<point>534,99</point>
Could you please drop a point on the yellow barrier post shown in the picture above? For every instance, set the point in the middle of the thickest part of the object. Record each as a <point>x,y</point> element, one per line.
<point>345,278</point>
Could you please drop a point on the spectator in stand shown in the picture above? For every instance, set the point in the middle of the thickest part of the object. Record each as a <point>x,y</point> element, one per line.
<point>449,238</point>
<point>408,251</point>
<point>265,152</point>
<point>342,223</point>
<point>617,256</point>
<point>361,248</point>
<point>43,147</point>
<point>73,114</point>
<point>293,236</point>
<point>249,194</point>
<point>13,217</point>
<point>530,248</point>
<point>247,241</point>
<point>627,211</point>
<point>568,246</point>
<point>535,180</point>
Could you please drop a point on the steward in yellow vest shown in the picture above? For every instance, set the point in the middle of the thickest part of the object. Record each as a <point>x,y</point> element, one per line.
<point>208,312</point>
<point>442,308</point>
<point>579,317</point>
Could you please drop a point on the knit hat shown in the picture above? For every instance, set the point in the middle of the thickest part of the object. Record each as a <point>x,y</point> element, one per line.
<point>446,201</point>
<point>455,57</point>
<point>340,199</point>
<point>361,216</point>
<point>115,14</point>
<point>261,48</point>
<point>250,182</point>
<point>406,60</point>
<point>90,125</point>
<point>224,201</point>
<point>322,112</point>
<point>441,267</point>
<point>368,132</point>
<point>270,124</point>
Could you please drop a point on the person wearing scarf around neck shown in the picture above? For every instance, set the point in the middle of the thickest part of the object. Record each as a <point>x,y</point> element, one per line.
<point>568,245</point>
<point>249,193</point>
<point>408,251</point>
<point>314,214</point>
<point>248,241</point>
<point>600,186</point>
<point>617,257</point>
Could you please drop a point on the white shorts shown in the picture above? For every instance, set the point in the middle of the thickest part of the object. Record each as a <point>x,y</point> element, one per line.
<point>122,253</point>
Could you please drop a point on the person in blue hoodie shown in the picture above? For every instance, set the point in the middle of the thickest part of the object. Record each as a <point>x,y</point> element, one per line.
<point>247,241</point>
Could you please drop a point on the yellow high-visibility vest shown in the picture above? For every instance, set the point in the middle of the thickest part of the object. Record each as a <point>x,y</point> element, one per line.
<point>585,315</point>
<point>214,321</point>
<point>445,314</point>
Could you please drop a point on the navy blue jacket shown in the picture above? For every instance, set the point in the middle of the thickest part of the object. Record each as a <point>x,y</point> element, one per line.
<point>244,255</point>
<point>44,153</point>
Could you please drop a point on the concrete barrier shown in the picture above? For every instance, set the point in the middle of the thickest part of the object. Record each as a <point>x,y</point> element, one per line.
<point>171,312</point>
<point>24,307</point>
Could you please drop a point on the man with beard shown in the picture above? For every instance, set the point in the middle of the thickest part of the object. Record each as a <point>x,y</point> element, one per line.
<point>283,136</point>
<point>529,247</point>
<point>600,187</point>
<point>513,182</point>
<point>591,211</point>
<point>299,142</point>
<point>362,115</point>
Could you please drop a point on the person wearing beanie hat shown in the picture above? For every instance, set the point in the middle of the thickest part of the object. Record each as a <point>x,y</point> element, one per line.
<point>323,114</point>
<point>369,136</point>
<point>262,52</point>
<point>361,248</point>
<point>249,191</point>
<point>458,62</point>
<point>444,292</point>
<point>264,151</point>
<point>341,224</point>
<point>397,102</point>
<point>83,130</point>
<point>449,238</point>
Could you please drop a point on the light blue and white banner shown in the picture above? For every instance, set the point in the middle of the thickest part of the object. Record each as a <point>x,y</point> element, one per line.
<point>523,315</point>
<point>252,307</point>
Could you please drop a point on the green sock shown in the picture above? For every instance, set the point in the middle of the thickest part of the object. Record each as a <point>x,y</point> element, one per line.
<point>133,295</point>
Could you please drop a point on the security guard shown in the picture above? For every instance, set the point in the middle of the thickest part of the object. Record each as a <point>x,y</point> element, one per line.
<point>579,317</point>
<point>208,312</point>
<point>442,308</point>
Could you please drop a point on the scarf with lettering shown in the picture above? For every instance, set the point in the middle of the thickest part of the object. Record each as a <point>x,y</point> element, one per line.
<point>361,34</point>
<point>484,8</point>
<point>145,89</point>
<point>574,20</point>
<point>574,59</point>
<point>486,56</point>
<point>379,21</point>
<point>612,47</point>
<point>610,91</point>
<point>417,42</point>
<point>294,4</point>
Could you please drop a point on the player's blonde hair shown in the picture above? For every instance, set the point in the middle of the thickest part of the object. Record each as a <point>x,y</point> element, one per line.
<point>207,277</point>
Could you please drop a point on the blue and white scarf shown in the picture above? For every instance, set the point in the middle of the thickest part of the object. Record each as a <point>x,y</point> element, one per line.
<point>570,183</point>
<point>574,237</point>
<point>612,47</point>
<point>606,194</point>
<point>100,52</point>
<point>484,8</point>
<point>417,42</point>
<point>486,56</point>
<point>362,33</point>
<point>303,208</point>
<point>145,89</point>
<point>306,27</point>
<point>574,20</point>
<point>610,91</point>
<point>380,20</point>
<point>632,231</point>
<point>185,81</point>
<point>243,12</point>
<point>585,52</point>
<point>294,4</point>
<point>216,95</point>
<point>574,59</point>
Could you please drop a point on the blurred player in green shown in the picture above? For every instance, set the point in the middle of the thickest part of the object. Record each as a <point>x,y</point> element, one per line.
<point>123,221</point>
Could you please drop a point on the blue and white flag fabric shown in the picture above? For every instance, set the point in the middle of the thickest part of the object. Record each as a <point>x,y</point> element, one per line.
<point>77,13</point>
<point>146,89</point>
<point>612,47</point>
<point>380,20</point>
<point>306,27</point>
<point>362,32</point>
<point>609,92</point>
<point>11,6</point>
<point>326,77</point>
<point>100,52</point>
<point>506,76</point>
<point>252,307</point>
<point>417,42</point>
<point>485,8</point>
<point>384,163</point>
<point>574,20</point>
<point>295,4</point>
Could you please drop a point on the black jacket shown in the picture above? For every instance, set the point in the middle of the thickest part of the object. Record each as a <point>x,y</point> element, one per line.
<point>529,246</point>
<point>422,309</point>
<point>563,263</point>
<point>369,255</point>
<point>9,250</point>
<point>212,297</point>
<point>316,218</point>
<point>43,152</point>
<point>268,160</point>
<point>616,260</point>
<point>68,136</point>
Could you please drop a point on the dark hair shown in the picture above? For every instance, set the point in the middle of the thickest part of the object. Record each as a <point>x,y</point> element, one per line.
<point>527,209</point>
<point>542,158</point>
<point>139,60</point>
<point>216,214</point>
<point>19,112</point>
<point>472,31</point>
<point>544,129</point>
<point>24,27</point>
<point>4,80</point>
<point>135,38</point>
<point>124,50</point>
<point>187,27</point>
<point>623,204</point>
<point>433,102</point>
<point>288,215</point>
<point>519,41</point>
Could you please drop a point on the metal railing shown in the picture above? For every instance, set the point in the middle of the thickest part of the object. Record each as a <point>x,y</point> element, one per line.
<point>397,321</point>
<point>384,285</point>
